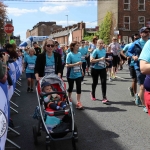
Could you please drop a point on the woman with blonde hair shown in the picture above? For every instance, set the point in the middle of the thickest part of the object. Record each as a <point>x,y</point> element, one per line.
<point>99,69</point>
<point>29,64</point>
<point>48,62</point>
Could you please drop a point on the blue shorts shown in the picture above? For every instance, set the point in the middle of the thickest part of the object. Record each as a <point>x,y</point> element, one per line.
<point>140,77</point>
<point>30,75</point>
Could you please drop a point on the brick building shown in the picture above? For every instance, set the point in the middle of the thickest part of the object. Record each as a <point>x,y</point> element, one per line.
<point>43,29</point>
<point>128,15</point>
<point>70,33</point>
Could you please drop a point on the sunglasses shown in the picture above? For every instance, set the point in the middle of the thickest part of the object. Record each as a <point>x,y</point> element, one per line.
<point>50,45</point>
<point>145,31</point>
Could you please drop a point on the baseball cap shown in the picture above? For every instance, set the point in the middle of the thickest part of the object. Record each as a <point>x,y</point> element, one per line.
<point>45,84</point>
<point>143,29</point>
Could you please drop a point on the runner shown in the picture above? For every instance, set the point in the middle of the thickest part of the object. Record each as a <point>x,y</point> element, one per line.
<point>145,69</point>
<point>99,69</point>
<point>92,46</point>
<point>74,72</point>
<point>63,58</point>
<point>29,64</point>
<point>83,52</point>
<point>37,48</point>
<point>87,58</point>
<point>115,48</point>
<point>124,53</point>
<point>134,51</point>
<point>48,62</point>
<point>109,58</point>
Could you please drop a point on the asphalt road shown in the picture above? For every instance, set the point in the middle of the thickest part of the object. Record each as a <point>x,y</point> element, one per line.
<point>119,126</point>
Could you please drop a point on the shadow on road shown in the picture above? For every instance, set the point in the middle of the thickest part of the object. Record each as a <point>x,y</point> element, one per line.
<point>105,109</point>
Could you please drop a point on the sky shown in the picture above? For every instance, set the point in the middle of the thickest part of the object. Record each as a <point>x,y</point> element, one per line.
<point>27,14</point>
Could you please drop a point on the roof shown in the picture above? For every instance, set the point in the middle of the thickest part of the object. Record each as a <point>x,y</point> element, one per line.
<point>91,31</point>
<point>63,33</point>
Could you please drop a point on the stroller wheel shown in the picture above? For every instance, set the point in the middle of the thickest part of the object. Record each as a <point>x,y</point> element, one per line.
<point>35,135</point>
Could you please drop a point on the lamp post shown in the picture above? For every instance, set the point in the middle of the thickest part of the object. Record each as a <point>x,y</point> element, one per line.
<point>67,29</point>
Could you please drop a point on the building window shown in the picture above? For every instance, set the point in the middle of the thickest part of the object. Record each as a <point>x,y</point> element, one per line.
<point>141,5</point>
<point>127,22</point>
<point>141,22</point>
<point>126,4</point>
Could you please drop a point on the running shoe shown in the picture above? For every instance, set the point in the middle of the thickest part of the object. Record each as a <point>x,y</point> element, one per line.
<point>28,89</point>
<point>79,105</point>
<point>92,98</point>
<point>131,92</point>
<point>145,109</point>
<point>105,101</point>
<point>110,79</point>
<point>31,90</point>
<point>137,100</point>
<point>82,82</point>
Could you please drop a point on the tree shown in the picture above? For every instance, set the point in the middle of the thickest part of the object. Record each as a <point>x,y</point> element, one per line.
<point>105,28</point>
<point>2,22</point>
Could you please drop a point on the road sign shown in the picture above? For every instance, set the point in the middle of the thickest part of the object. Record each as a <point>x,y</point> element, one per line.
<point>9,28</point>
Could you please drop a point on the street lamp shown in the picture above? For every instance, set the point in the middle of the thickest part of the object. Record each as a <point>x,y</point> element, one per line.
<point>67,29</point>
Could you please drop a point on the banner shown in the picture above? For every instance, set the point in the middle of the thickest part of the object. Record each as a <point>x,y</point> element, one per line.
<point>17,70</point>
<point>12,73</point>
<point>3,115</point>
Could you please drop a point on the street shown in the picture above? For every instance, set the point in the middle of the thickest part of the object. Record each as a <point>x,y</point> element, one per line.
<point>119,126</point>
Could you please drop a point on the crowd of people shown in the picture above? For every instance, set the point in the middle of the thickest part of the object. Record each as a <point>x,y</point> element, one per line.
<point>91,57</point>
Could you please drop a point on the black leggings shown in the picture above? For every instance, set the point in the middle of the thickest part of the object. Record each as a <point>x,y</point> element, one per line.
<point>71,84</point>
<point>83,68</point>
<point>95,73</point>
<point>88,61</point>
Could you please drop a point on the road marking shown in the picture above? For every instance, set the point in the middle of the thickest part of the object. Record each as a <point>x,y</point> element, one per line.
<point>120,78</point>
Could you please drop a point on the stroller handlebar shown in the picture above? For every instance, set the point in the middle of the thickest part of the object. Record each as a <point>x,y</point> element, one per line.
<point>54,92</point>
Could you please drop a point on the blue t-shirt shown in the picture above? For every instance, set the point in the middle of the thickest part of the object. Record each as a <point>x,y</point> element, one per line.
<point>50,65</point>
<point>142,42</point>
<point>68,50</point>
<point>145,55</point>
<point>92,46</point>
<point>30,60</point>
<point>125,49</point>
<point>83,52</point>
<point>76,70</point>
<point>99,54</point>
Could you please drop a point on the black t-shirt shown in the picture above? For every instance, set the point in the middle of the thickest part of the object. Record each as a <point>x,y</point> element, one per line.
<point>37,50</point>
<point>109,55</point>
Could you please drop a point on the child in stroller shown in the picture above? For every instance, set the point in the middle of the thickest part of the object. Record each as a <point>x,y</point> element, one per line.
<point>52,100</point>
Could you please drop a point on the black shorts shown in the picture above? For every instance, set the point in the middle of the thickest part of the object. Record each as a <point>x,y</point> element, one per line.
<point>123,58</point>
<point>132,72</point>
<point>115,61</point>
<point>118,60</point>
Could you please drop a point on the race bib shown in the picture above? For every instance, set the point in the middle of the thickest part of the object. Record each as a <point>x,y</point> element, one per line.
<point>102,64</point>
<point>76,69</point>
<point>31,66</point>
<point>83,58</point>
<point>110,57</point>
<point>49,70</point>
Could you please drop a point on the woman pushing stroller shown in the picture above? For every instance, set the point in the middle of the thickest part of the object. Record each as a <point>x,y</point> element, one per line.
<point>48,62</point>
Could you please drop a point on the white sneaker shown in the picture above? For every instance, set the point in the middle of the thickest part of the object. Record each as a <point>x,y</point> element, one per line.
<point>110,80</point>
<point>82,82</point>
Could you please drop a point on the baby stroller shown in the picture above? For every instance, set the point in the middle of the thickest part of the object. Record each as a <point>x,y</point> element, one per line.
<point>58,124</point>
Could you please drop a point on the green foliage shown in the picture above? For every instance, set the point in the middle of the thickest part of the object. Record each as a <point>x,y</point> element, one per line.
<point>105,28</point>
<point>88,37</point>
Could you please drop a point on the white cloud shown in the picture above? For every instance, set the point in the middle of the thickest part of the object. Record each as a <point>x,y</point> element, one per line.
<point>70,3</point>
<point>19,12</point>
<point>91,24</point>
<point>64,22</point>
<point>53,9</point>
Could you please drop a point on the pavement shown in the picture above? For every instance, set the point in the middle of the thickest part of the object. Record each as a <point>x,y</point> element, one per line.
<point>119,126</point>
